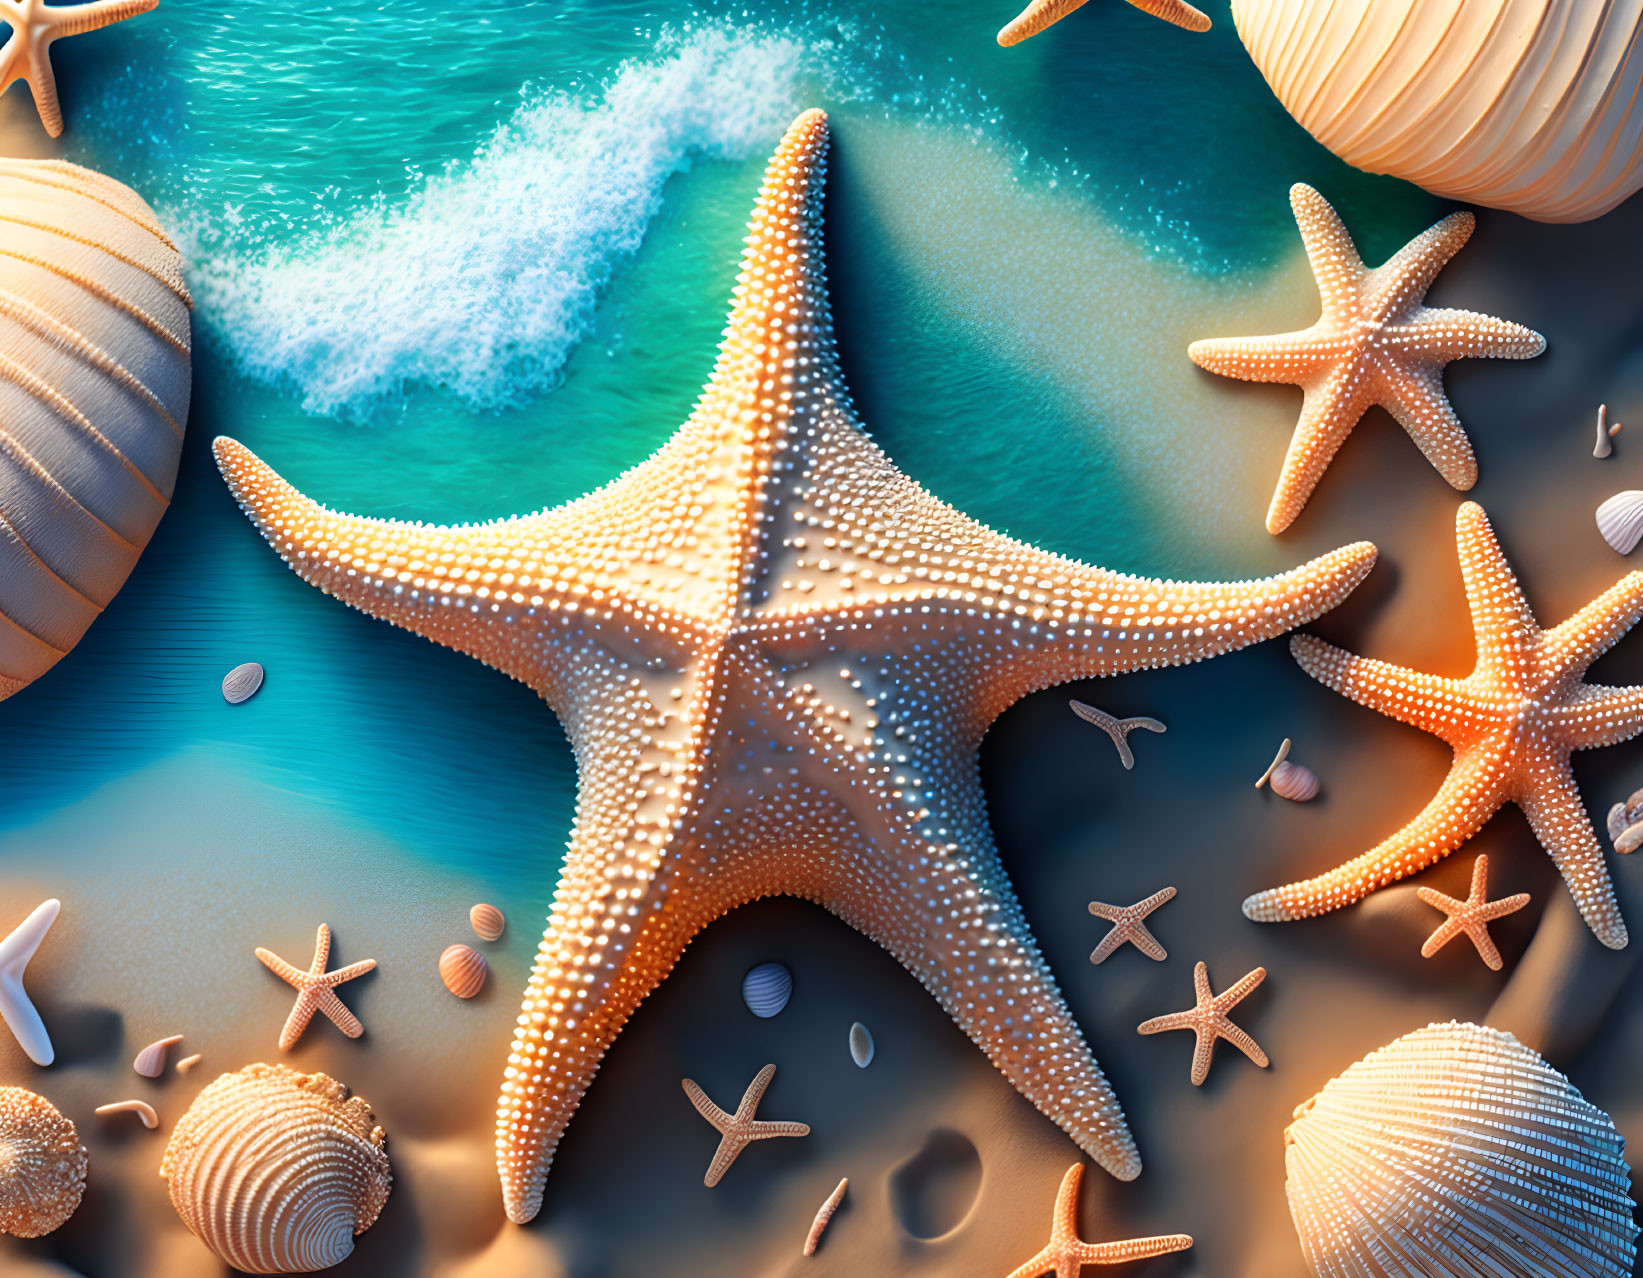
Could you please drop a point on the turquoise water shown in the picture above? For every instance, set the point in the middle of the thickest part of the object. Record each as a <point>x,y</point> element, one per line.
<point>455,262</point>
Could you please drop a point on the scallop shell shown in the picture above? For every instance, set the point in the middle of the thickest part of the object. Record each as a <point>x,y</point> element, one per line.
<point>463,969</point>
<point>487,921</point>
<point>1456,1150</point>
<point>1294,781</point>
<point>242,682</point>
<point>276,1171</point>
<point>150,1062</point>
<point>861,1045</point>
<point>1620,520</point>
<point>42,1165</point>
<point>1531,105</point>
<point>94,386</point>
<point>766,989</point>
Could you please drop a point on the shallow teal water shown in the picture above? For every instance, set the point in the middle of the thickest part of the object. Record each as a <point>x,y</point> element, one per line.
<point>459,268</point>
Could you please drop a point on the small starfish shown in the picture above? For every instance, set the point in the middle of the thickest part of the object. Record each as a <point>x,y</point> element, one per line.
<point>1116,728</point>
<point>1376,343</point>
<point>1209,1021</point>
<point>738,1130</point>
<point>15,952</point>
<point>1513,724</point>
<point>1127,925</point>
<point>1040,14</point>
<point>316,990</point>
<point>35,24</point>
<point>1066,1253</point>
<point>1471,916</point>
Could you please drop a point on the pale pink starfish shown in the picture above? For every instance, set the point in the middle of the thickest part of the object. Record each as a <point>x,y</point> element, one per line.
<point>1066,1253</point>
<point>316,990</point>
<point>741,1129</point>
<point>1128,925</point>
<point>1471,916</point>
<point>35,24</point>
<point>1209,1021</point>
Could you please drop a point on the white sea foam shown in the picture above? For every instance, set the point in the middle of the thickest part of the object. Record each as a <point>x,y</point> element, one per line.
<point>482,280</point>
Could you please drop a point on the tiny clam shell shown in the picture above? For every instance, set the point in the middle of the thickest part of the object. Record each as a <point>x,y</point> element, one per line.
<point>766,989</point>
<point>1294,781</point>
<point>861,1045</point>
<point>1620,520</point>
<point>42,1165</point>
<point>241,683</point>
<point>463,969</point>
<point>150,1062</point>
<point>487,921</point>
<point>1630,839</point>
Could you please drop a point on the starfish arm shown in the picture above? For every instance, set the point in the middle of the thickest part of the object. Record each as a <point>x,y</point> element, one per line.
<point>1597,715</point>
<point>1440,900</point>
<point>1239,1038</point>
<point>1330,409</point>
<point>1558,817</point>
<point>1506,905</point>
<point>17,1009</point>
<point>322,950</point>
<point>76,19</point>
<point>333,979</point>
<point>729,1150</point>
<point>1200,983</point>
<point>1142,938</point>
<point>280,968</point>
<point>1040,14</point>
<point>1596,628</point>
<point>1472,792</point>
<point>337,1012</point>
<point>1329,250</point>
<point>1116,1253</point>
<point>765,1129</point>
<point>1064,1217</point>
<point>43,85</point>
<point>1436,335</point>
<point>1505,627</point>
<point>1203,1053</point>
<point>302,1011</point>
<point>754,1094</point>
<point>1485,945</point>
<point>1110,943</point>
<point>1240,991</point>
<point>1416,400</point>
<point>1288,358</point>
<point>1394,289</point>
<point>1446,931</point>
<point>13,60</point>
<point>1164,1024</point>
<point>1037,1267</point>
<point>1428,702</point>
<point>705,1106</point>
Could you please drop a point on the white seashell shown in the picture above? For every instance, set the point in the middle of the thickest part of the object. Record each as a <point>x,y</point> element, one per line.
<point>1294,781</point>
<point>188,1062</point>
<point>1456,1150</point>
<point>242,682</point>
<point>487,921</point>
<point>463,969</point>
<point>861,1045</point>
<point>150,1062</point>
<point>1620,520</point>
<point>277,1171</point>
<point>42,1165</point>
<point>1617,821</point>
<point>1531,105</point>
<point>766,989</point>
<point>94,387</point>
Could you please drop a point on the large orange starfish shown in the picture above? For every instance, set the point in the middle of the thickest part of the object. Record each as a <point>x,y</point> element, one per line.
<point>1040,14</point>
<point>26,55</point>
<point>1377,342</point>
<point>1066,1253</point>
<point>1513,723</point>
<point>316,989</point>
<point>775,657</point>
<point>739,1130</point>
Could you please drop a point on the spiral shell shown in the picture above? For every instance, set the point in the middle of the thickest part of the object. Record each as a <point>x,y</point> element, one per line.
<point>766,989</point>
<point>1531,105</point>
<point>276,1171</point>
<point>1620,520</point>
<point>94,387</point>
<point>487,921</point>
<point>1294,781</point>
<point>463,969</point>
<point>42,1165</point>
<point>1456,1150</point>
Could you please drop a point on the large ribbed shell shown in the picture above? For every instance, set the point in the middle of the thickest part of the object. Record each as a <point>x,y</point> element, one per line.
<point>1458,1151</point>
<point>42,1165</point>
<point>1531,105</point>
<point>94,385</point>
<point>276,1171</point>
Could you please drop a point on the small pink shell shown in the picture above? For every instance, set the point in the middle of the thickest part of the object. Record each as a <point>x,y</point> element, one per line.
<point>150,1062</point>
<point>463,969</point>
<point>487,921</point>
<point>1294,781</point>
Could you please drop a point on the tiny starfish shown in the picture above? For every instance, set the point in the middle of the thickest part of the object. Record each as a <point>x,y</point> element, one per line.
<point>1471,916</point>
<point>1377,342</point>
<point>741,1129</point>
<point>1116,728</point>
<point>15,1006</point>
<point>316,990</point>
<point>35,24</point>
<point>1209,1021</point>
<point>1065,1254</point>
<point>1127,925</point>
<point>1040,14</point>
<point>1513,724</point>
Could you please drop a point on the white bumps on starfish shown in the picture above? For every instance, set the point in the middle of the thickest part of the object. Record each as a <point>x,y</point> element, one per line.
<point>15,1006</point>
<point>26,55</point>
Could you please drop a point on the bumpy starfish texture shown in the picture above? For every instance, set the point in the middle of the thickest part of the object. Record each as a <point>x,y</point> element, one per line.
<point>1046,13</point>
<point>1513,724</point>
<point>775,657</point>
<point>15,1005</point>
<point>1471,916</point>
<point>1116,728</point>
<point>1128,925</point>
<point>26,55</point>
<point>739,1130</point>
<point>316,990</point>
<point>1377,342</point>
<point>1209,1021</point>
<point>1066,1253</point>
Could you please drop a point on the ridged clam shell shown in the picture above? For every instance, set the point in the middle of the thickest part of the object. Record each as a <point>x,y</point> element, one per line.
<point>487,921</point>
<point>1456,1150</point>
<point>1531,105</point>
<point>766,989</point>
<point>1294,781</point>
<point>242,682</point>
<point>277,1171</point>
<point>42,1165</point>
<point>463,969</point>
<point>94,388</point>
<point>861,1045</point>
<point>150,1062</point>
<point>1620,520</point>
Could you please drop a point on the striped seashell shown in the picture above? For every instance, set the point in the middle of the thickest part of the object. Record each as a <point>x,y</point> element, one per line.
<point>766,989</point>
<point>1456,1150</point>
<point>1620,520</point>
<point>94,388</point>
<point>1530,105</point>
<point>242,683</point>
<point>277,1171</point>
<point>1294,781</point>
<point>861,1045</point>
<point>487,921</point>
<point>463,969</point>
<point>150,1062</point>
<point>42,1165</point>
